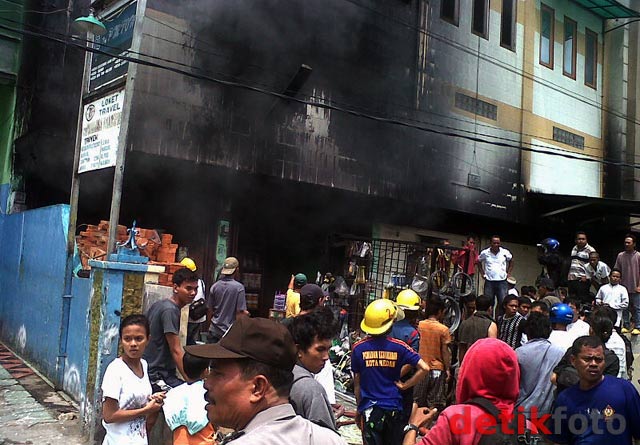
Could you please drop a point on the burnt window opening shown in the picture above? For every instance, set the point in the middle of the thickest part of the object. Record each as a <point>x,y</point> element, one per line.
<point>569,48</point>
<point>566,137</point>
<point>547,23</point>
<point>591,59</point>
<point>476,106</point>
<point>508,25</point>
<point>480,18</point>
<point>449,11</point>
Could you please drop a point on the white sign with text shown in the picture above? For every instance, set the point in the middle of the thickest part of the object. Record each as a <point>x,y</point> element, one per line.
<point>100,129</point>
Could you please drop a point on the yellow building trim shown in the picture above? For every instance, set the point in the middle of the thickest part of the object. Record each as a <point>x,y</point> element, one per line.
<point>511,118</point>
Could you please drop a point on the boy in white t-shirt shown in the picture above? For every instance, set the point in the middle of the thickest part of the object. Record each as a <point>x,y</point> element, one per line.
<point>614,294</point>
<point>126,390</point>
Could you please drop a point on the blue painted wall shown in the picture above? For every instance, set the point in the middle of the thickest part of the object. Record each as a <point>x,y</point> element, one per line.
<point>77,360</point>
<point>32,271</point>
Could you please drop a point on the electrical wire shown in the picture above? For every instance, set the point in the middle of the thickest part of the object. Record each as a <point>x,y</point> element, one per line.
<point>333,100</point>
<point>31,11</point>
<point>129,51</point>
<point>457,45</point>
<point>206,43</point>
<point>319,104</point>
<point>357,108</point>
<point>311,95</point>
<point>559,89</point>
<point>521,72</point>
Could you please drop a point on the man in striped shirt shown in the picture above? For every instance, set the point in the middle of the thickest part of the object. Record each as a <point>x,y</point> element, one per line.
<point>509,324</point>
<point>579,283</point>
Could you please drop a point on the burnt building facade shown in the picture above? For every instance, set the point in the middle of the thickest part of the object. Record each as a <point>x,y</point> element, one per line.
<point>262,128</point>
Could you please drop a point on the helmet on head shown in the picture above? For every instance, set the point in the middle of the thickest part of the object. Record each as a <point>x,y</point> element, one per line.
<point>408,300</point>
<point>379,316</point>
<point>549,244</point>
<point>189,264</point>
<point>561,313</point>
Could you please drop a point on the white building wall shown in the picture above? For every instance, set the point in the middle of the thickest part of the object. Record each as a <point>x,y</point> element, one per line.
<point>474,63</point>
<point>563,176</point>
<point>557,97</point>
<point>500,73</point>
<point>471,64</point>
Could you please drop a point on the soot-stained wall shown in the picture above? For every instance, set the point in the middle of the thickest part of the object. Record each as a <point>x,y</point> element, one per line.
<point>47,101</point>
<point>364,56</point>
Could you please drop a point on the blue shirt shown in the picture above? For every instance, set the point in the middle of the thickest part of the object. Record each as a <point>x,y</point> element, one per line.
<point>607,403</point>
<point>405,331</point>
<point>378,360</point>
<point>537,358</point>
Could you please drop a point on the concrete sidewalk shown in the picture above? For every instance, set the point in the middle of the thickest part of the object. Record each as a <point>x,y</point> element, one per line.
<point>31,412</point>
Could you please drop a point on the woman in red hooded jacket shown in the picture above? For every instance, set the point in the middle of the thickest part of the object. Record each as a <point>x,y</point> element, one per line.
<point>489,370</point>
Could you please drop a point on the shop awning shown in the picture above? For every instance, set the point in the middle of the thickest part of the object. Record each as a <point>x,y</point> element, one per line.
<point>608,9</point>
<point>550,206</point>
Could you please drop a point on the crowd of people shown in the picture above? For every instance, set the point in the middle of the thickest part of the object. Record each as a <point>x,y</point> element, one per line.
<point>520,372</point>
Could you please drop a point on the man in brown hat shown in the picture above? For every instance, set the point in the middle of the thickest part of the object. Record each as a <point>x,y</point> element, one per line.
<point>248,386</point>
<point>226,301</point>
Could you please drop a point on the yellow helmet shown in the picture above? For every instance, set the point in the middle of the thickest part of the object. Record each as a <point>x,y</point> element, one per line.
<point>189,264</point>
<point>379,316</point>
<point>408,300</point>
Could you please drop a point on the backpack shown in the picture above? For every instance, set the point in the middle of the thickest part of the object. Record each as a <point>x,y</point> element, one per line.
<point>500,437</point>
<point>199,308</point>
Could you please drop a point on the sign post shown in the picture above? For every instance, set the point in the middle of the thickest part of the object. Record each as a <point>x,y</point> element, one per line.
<point>118,175</point>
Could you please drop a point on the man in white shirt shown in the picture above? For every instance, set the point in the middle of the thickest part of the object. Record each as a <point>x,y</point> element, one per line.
<point>578,327</point>
<point>597,271</point>
<point>560,315</point>
<point>495,264</point>
<point>615,342</point>
<point>614,295</point>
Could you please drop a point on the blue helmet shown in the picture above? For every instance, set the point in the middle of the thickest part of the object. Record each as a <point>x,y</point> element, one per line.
<point>561,313</point>
<point>549,244</point>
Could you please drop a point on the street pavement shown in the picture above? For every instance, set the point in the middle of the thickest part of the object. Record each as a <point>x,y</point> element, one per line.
<point>31,412</point>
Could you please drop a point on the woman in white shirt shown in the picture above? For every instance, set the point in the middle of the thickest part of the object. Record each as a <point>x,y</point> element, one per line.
<point>127,402</point>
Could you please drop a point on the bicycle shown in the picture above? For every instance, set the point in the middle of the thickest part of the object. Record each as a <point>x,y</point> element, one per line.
<point>460,284</point>
<point>451,291</point>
